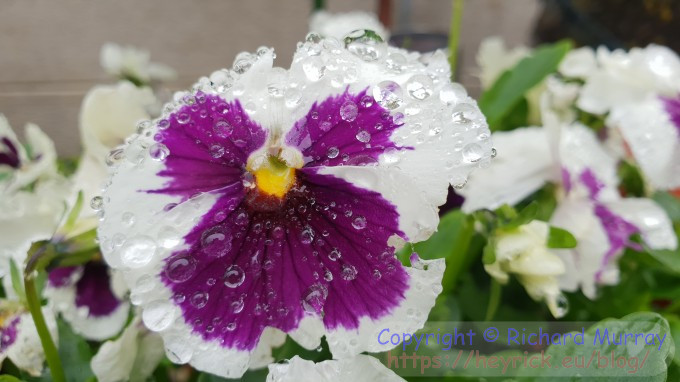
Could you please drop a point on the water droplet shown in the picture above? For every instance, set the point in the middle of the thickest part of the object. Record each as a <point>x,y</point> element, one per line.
<point>115,156</point>
<point>349,111</point>
<point>183,118</point>
<point>366,101</point>
<point>158,151</point>
<point>234,276</point>
<point>365,44</point>
<point>128,218</point>
<point>137,251</point>
<point>328,275</point>
<point>333,152</point>
<point>216,151</point>
<point>177,350</point>
<point>216,241</point>
<point>97,203</point>
<point>472,152</point>
<point>314,298</point>
<point>314,68</point>
<point>163,124</point>
<point>168,237</point>
<point>223,129</point>
<point>199,300</point>
<point>419,86</point>
<point>464,113</point>
<point>376,274</point>
<point>561,307</point>
<point>237,305</point>
<point>158,315</point>
<point>348,272</point>
<point>363,136</point>
<point>388,94</point>
<point>307,235</point>
<point>395,62</point>
<point>230,326</point>
<point>359,222</point>
<point>334,254</point>
<point>452,93</point>
<point>180,269</point>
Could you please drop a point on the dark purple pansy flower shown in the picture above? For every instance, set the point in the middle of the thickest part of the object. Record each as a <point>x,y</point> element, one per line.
<point>87,298</point>
<point>277,198</point>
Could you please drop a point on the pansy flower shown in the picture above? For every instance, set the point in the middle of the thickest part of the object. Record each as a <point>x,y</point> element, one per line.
<point>133,64</point>
<point>638,94</point>
<point>19,340</point>
<point>570,155</point>
<point>89,299</point>
<point>276,198</point>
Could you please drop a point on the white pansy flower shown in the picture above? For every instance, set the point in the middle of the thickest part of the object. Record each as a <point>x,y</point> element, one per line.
<point>338,25</point>
<point>361,368</point>
<point>523,252</point>
<point>129,62</point>
<point>494,58</point>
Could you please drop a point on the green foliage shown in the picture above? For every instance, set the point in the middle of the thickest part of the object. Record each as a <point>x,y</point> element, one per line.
<point>508,92</point>
<point>75,354</point>
<point>561,238</point>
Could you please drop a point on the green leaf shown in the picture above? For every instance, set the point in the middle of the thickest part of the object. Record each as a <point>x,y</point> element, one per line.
<point>74,213</point>
<point>655,367</point>
<point>75,354</point>
<point>670,260</point>
<point>9,378</point>
<point>561,238</point>
<point>450,242</point>
<point>527,214</point>
<point>17,280</point>
<point>669,203</point>
<point>497,102</point>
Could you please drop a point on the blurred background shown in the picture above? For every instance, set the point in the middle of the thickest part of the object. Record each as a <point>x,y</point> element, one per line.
<point>49,51</point>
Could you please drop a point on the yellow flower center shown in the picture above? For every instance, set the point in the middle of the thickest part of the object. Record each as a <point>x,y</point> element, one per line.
<point>274,177</point>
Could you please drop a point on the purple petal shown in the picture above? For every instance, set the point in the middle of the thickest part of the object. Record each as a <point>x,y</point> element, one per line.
<point>349,129</point>
<point>209,144</point>
<point>618,232</point>
<point>61,277</point>
<point>93,290</point>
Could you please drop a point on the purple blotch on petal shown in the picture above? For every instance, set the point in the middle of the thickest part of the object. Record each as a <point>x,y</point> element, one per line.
<point>8,334</point>
<point>331,136</point>
<point>93,287</point>
<point>594,186</point>
<point>672,106</point>
<point>11,156</point>
<point>618,232</point>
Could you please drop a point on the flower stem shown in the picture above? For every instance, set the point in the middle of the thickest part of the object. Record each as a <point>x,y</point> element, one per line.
<point>454,35</point>
<point>34,306</point>
<point>494,300</point>
<point>318,5</point>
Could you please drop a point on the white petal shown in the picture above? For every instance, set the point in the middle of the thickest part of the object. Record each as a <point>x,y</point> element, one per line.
<point>114,359</point>
<point>149,354</point>
<point>262,355</point>
<point>584,261</point>
<point>109,114</point>
<point>523,165</point>
<point>652,221</point>
<point>653,139</point>
<point>579,63</point>
<point>361,368</point>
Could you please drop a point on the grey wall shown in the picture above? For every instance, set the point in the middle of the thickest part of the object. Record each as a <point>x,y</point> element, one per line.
<point>49,50</point>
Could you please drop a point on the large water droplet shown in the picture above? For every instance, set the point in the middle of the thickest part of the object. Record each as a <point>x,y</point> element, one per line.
<point>359,222</point>
<point>97,203</point>
<point>199,299</point>
<point>158,315</point>
<point>363,136</point>
<point>365,44</point>
<point>180,269</point>
<point>349,111</point>
<point>419,86</point>
<point>334,254</point>
<point>314,68</point>
<point>234,276</point>
<point>177,350</point>
<point>452,93</point>
<point>216,241</point>
<point>158,151</point>
<point>307,235</point>
<point>333,152</point>
<point>137,251</point>
<point>388,94</point>
<point>314,298</point>
<point>472,152</point>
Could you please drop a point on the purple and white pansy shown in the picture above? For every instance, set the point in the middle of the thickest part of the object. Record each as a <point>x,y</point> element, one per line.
<point>19,340</point>
<point>90,298</point>
<point>274,198</point>
<point>590,206</point>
